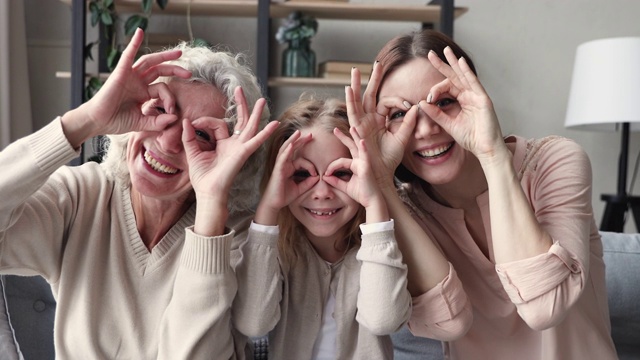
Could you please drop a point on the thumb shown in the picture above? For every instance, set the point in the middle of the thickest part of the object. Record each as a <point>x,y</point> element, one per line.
<point>158,123</point>
<point>189,139</point>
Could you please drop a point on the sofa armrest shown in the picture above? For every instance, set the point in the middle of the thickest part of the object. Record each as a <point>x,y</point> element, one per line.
<point>622,260</point>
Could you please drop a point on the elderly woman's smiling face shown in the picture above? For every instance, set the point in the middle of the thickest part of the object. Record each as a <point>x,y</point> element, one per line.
<point>157,161</point>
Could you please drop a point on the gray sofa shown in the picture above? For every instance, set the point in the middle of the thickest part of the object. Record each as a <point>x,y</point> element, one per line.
<point>26,323</point>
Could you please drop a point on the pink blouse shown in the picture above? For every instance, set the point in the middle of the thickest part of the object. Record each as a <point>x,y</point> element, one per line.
<point>551,306</point>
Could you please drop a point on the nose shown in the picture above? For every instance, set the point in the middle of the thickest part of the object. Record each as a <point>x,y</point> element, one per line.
<point>169,139</point>
<point>425,126</point>
<point>322,190</point>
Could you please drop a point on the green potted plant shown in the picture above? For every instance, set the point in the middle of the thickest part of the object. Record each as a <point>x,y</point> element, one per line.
<point>298,59</point>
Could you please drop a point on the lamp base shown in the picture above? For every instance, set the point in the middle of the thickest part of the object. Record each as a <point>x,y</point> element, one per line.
<point>614,213</point>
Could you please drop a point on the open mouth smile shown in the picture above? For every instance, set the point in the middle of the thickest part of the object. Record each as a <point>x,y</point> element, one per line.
<point>435,152</point>
<point>323,212</point>
<point>157,166</point>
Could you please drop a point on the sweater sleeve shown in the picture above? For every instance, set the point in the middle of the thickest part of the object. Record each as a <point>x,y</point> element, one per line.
<point>384,303</point>
<point>557,181</point>
<point>444,312</point>
<point>197,321</point>
<point>33,211</point>
<point>256,309</point>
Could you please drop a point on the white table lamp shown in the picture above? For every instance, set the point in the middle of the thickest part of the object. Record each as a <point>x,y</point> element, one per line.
<point>605,95</point>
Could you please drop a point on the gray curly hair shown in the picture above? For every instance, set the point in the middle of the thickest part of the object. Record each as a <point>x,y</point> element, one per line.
<point>225,71</point>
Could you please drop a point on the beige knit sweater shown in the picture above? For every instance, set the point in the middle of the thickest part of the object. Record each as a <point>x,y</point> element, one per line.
<point>115,299</point>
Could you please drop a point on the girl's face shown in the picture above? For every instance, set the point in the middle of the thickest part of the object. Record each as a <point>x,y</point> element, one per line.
<point>156,160</point>
<point>431,153</point>
<point>324,211</point>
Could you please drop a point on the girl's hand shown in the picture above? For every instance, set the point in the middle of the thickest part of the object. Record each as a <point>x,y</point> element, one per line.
<point>213,167</point>
<point>290,178</point>
<point>476,126</point>
<point>354,176</point>
<point>369,117</point>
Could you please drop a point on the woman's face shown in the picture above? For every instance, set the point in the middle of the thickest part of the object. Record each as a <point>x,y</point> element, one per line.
<point>324,211</point>
<point>156,160</point>
<point>431,152</point>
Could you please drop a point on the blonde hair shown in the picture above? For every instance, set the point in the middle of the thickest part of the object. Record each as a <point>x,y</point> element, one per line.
<point>307,112</point>
<point>225,71</point>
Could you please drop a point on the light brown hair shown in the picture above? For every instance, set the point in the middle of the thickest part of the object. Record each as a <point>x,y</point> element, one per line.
<point>307,112</point>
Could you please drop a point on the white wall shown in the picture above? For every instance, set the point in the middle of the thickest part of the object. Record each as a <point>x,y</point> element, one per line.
<point>524,52</point>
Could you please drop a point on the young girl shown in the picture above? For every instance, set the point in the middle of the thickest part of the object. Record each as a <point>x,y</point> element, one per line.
<point>319,288</point>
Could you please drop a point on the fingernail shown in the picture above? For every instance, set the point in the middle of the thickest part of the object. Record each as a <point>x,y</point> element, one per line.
<point>429,98</point>
<point>406,104</point>
<point>432,52</point>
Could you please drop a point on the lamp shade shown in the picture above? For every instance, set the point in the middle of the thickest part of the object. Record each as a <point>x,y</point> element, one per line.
<point>605,87</point>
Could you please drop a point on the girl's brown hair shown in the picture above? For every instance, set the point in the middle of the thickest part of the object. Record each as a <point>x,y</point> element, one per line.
<point>307,112</point>
<point>404,48</point>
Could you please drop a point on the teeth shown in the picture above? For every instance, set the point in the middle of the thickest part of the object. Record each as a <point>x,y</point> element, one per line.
<point>157,166</point>
<point>323,213</point>
<point>435,152</point>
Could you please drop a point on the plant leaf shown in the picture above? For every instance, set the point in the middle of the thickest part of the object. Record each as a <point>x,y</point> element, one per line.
<point>146,6</point>
<point>134,22</point>
<point>198,42</point>
<point>162,3</point>
<point>108,3</point>
<point>106,18</point>
<point>88,49</point>
<point>112,59</point>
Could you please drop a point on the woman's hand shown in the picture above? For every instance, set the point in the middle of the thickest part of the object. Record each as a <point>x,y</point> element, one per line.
<point>117,107</point>
<point>476,126</point>
<point>212,172</point>
<point>289,179</point>
<point>369,117</point>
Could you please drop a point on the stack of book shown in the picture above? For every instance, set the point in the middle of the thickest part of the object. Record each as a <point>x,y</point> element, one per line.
<point>338,69</point>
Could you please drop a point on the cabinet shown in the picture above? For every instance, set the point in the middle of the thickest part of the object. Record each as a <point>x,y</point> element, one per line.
<point>439,13</point>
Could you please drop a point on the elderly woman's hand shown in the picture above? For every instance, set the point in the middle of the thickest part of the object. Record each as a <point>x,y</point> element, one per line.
<point>116,108</point>
<point>213,171</point>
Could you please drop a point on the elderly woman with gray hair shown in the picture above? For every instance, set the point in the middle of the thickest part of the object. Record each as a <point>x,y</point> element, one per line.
<point>137,249</point>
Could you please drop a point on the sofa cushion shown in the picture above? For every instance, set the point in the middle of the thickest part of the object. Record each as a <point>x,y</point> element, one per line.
<point>622,259</point>
<point>32,307</point>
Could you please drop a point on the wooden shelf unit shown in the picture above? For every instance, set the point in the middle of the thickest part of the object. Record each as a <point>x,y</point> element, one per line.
<point>439,16</point>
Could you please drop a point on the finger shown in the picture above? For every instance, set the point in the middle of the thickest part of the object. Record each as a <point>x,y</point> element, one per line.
<point>353,112</point>
<point>471,77</point>
<point>304,164</point>
<point>145,62</point>
<point>189,141</point>
<point>388,103</point>
<point>242,110</point>
<point>303,140</point>
<point>454,63</point>
<point>408,123</point>
<point>129,54</point>
<point>295,136</point>
<point>442,88</point>
<point>217,127</point>
<point>444,69</point>
<point>155,72</point>
<point>369,100</point>
<point>254,120</point>
<point>338,164</point>
<point>161,91</point>
<point>345,140</point>
<point>437,115</point>
<point>253,143</point>
<point>356,84</point>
